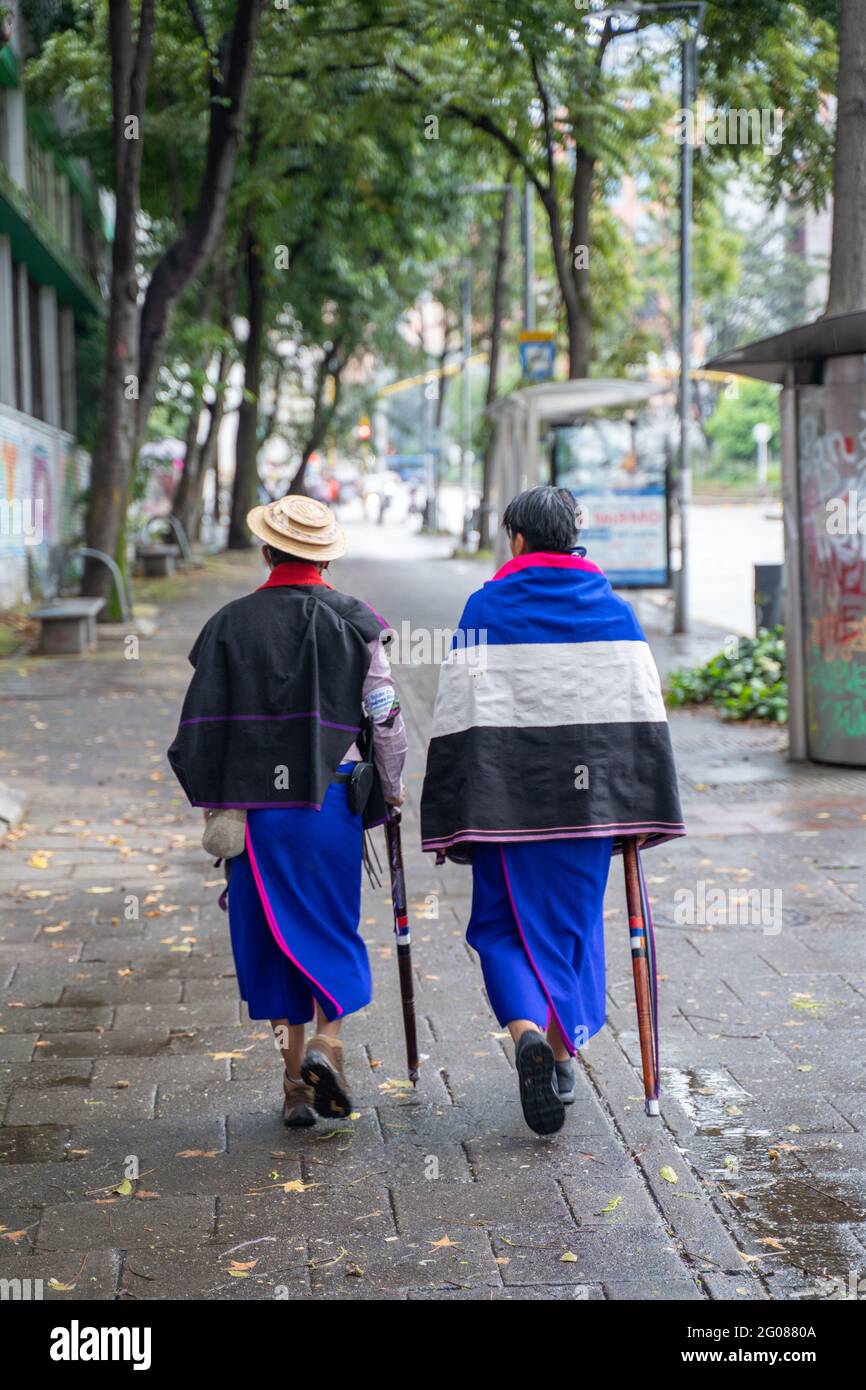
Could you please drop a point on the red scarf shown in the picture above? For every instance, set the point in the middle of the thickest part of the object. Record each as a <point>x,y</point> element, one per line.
<point>294,572</point>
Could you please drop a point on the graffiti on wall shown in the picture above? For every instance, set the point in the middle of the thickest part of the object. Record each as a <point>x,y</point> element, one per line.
<point>832,475</point>
<point>41,484</point>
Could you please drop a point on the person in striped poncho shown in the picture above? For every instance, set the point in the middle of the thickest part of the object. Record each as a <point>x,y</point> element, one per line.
<point>550,745</point>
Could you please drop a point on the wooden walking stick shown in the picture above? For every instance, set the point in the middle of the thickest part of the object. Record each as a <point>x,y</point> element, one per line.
<point>643,969</point>
<point>404,949</point>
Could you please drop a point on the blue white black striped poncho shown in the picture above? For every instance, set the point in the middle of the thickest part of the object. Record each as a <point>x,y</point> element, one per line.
<point>549,720</point>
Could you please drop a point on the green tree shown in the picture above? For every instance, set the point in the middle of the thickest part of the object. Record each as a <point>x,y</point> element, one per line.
<point>731,424</point>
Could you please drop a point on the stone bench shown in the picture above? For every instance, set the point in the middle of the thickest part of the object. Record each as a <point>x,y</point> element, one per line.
<point>157,561</point>
<point>68,625</point>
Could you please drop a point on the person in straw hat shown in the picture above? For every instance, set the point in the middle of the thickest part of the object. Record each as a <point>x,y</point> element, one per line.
<point>291,739</point>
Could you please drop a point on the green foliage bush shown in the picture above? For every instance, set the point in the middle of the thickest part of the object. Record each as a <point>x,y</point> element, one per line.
<point>748,683</point>
<point>731,424</point>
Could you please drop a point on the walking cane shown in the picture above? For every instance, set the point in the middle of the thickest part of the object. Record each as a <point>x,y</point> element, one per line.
<point>401,931</point>
<point>643,964</point>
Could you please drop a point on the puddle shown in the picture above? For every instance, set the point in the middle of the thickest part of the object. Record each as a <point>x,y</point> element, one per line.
<point>773,1199</point>
<point>49,1083</point>
<point>704,1094</point>
<point>32,1143</point>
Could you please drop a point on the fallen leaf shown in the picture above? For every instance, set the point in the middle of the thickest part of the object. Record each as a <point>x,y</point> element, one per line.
<point>443,1244</point>
<point>568,1258</point>
<point>611,1206</point>
<point>668,1173</point>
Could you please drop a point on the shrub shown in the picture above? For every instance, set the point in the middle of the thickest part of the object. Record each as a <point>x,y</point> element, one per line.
<point>749,682</point>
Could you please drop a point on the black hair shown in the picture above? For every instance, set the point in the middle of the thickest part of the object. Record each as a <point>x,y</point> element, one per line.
<point>283,557</point>
<point>548,518</point>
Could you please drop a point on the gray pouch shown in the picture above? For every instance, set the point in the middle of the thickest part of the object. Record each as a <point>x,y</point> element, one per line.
<point>224,835</point>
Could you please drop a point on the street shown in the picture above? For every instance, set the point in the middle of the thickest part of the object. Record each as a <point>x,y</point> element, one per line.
<point>143,1154</point>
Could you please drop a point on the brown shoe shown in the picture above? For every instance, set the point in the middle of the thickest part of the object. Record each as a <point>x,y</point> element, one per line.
<point>298,1112</point>
<point>322,1068</point>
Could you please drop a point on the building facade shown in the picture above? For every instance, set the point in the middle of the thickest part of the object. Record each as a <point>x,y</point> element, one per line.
<point>52,248</point>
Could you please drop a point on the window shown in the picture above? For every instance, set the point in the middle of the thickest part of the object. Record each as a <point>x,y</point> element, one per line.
<point>17,353</point>
<point>4,129</point>
<point>37,407</point>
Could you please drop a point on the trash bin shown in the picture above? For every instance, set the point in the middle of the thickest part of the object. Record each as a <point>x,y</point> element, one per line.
<point>769,591</point>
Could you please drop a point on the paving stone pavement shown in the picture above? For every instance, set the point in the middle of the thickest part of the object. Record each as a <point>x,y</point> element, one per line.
<point>142,1154</point>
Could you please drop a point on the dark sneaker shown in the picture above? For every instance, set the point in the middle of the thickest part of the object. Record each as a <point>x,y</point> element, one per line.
<point>563,1079</point>
<point>543,1109</point>
<point>298,1112</point>
<point>322,1068</point>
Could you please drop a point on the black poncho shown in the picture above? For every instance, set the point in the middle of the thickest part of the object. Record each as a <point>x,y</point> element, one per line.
<point>275,701</point>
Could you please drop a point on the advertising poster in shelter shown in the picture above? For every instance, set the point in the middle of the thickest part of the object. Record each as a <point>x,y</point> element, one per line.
<point>617,469</point>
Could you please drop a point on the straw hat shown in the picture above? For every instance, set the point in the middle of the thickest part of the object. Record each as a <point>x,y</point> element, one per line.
<point>300,525</point>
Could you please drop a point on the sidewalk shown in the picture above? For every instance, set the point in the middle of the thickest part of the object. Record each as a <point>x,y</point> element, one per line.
<point>142,1154</point>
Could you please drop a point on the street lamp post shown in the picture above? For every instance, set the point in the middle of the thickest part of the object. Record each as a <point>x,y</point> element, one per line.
<point>466,458</point>
<point>682,479</point>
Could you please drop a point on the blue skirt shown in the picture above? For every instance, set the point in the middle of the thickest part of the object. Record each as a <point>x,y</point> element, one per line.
<point>294,903</point>
<point>537,923</point>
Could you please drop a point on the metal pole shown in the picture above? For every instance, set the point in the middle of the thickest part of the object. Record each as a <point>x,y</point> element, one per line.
<point>528,257</point>
<point>798,727</point>
<point>466,350</point>
<point>683,478</point>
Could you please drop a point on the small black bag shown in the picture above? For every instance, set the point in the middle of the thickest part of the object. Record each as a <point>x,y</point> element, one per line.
<point>361,782</point>
<point>372,798</point>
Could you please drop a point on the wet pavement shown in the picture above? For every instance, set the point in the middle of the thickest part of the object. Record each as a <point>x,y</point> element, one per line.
<point>141,1151</point>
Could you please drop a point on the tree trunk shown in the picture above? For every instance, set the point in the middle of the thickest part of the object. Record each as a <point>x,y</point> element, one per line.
<point>187,502</point>
<point>135,340</point>
<point>848,256</point>
<point>486,520</point>
<point>181,503</point>
<point>115,437</point>
<point>579,302</point>
<point>323,416</point>
<point>194,247</point>
<point>245,491</point>
<point>576,315</point>
<point>207,459</point>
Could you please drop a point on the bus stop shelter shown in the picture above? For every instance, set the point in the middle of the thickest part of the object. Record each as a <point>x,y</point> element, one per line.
<point>821,368</point>
<point>523,419</point>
